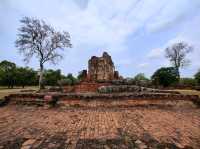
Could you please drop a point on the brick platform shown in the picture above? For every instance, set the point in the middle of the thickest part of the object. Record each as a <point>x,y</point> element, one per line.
<point>120,128</point>
<point>100,121</point>
<point>84,87</point>
<point>105,100</point>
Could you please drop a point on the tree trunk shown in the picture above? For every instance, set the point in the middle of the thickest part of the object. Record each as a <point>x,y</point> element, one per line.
<point>178,73</point>
<point>41,84</point>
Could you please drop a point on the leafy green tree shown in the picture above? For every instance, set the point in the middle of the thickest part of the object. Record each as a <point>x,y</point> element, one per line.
<point>165,77</point>
<point>26,76</point>
<point>7,73</point>
<point>197,77</point>
<point>51,77</point>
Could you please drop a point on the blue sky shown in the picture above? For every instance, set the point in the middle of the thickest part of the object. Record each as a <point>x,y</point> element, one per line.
<point>134,32</point>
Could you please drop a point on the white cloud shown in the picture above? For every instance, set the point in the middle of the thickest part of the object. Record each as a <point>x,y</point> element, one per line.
<point>156,53</point>
<point>102,23</point>
<point>107,24</point>
<point>99,23</point>
<point>173,13</point>
<point>124,62</point>
<point>143,65</point>
<point>82,3</point>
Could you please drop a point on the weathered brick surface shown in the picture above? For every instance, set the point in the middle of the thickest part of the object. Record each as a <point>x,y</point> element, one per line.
<point>131,89</point>
<point>101,68</point>
<point>104,103</point>
<point>106,100</point>
<point>89,87</point>
<point>84,87</point>
<point>36,127</point>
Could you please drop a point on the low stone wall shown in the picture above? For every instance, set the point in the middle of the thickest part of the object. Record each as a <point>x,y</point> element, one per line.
<point>84,87</point>
<point>131,88</point>
<point>126,103</point>
<point>108,88</point>
<point>105,100</point>
<point>27,99</point>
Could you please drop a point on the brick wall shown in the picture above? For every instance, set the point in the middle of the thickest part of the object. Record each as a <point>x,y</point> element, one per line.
<point>84,87</point>
<point>105,100</point>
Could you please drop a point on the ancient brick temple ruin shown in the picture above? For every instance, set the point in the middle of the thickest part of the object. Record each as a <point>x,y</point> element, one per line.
<point>101,72</point>
<point>102,68</point>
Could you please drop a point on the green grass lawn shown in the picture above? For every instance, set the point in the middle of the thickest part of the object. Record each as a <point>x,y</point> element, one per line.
<point>5,91</point>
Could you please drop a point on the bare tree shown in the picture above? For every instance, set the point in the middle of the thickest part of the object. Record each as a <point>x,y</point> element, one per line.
<point>36,38</point>
<point>177,55</point>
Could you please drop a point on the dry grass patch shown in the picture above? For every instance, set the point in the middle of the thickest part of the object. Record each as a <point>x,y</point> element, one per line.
<point>189,92</point>
<point>5,91</point>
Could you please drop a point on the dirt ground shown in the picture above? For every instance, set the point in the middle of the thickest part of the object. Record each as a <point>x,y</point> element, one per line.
<point>38,127</point>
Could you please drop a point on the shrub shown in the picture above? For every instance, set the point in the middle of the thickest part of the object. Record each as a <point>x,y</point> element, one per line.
<point>51,77</point>
<point>68,80</point>
<point>82,75</point>
<point>197,77</point>
<point>188,82</point>
<point>165,76</point>
<point>141,79</point>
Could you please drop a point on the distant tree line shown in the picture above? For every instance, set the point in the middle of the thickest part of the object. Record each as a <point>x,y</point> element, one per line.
<point>166,77</point>
<point>11,75</point>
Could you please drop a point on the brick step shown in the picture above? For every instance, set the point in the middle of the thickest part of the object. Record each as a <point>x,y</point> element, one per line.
<point>104,100</point>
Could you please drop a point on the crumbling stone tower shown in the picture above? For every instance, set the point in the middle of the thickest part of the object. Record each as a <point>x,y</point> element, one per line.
<point>101,68</point>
